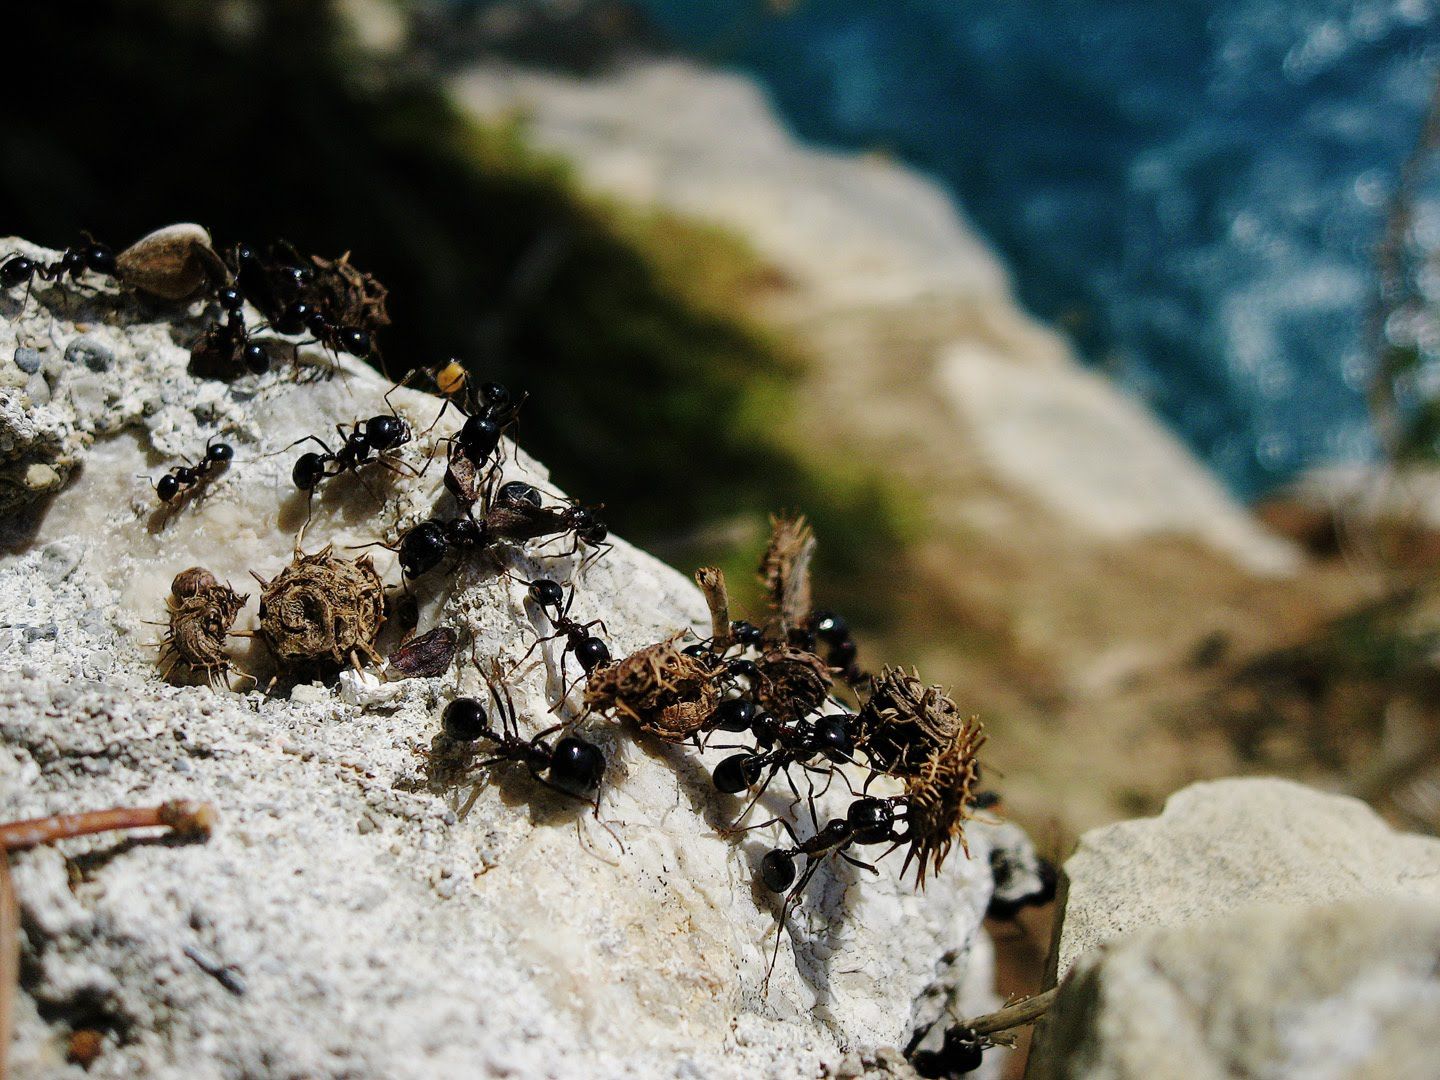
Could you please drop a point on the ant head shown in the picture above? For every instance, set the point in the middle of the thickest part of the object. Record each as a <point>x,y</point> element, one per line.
<point>257,359</point>
<point>219,453</point>
<point>744,633</point>
<point>871,820</point>
<point>167,487</point>
<point>831,735</point>
<point>592,653</point>
<point>355,341</point>
<point>734,714</point>
<point>546,593</point>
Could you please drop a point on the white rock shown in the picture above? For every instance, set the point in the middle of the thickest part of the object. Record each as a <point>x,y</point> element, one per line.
<point>382,927</point>
<point>1222,845</point>
<point>1269,992</point>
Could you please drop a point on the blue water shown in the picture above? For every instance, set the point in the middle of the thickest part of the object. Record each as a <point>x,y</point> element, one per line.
<point>1194,190</point>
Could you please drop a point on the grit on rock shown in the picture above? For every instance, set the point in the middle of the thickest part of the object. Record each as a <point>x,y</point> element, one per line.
<point>373,924</point>
<point>1257,928</point>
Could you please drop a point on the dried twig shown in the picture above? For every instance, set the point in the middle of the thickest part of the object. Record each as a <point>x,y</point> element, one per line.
<point>711,580</point>
<point>1024,1011</point>
<point>9,963</point>
<point>187,818</point>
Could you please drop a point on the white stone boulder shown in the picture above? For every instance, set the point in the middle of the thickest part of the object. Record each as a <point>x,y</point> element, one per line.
<point>370,923</point>
<point>1256,928</point>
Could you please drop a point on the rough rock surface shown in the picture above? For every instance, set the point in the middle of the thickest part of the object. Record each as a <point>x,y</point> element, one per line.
<point>375,923</point>
<point>1220,846</point>
<point>1344,991</point>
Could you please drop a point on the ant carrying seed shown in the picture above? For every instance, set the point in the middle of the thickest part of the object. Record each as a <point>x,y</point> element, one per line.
<point>181,478</point>
<point>590,651</point>
<point>573,764</point>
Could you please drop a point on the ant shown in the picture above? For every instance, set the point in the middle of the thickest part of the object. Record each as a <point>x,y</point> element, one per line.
<point>574,764</point>
<point>590,651</point>
<point>232,334</point>
<point>831,630</point>
<point>524,519</point>
<point>300,316</point>
<point>183,477</point>
<point>378,435</point>
<point>867,821</point>
<point>74,261</point>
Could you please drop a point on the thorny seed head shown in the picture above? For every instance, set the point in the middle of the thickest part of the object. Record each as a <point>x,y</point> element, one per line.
<point>785,569</point>
<point>667,692</point>
<point>792,682</point>
<point>202,611</point>
<point>937,797</point>
<point>903,722</point>
<point>323,611</point>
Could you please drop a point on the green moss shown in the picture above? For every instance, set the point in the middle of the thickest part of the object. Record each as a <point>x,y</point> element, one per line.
<point>651,391</point>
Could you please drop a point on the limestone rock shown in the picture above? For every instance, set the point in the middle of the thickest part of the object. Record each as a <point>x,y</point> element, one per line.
<point>1223,845</point>
<point>1342,991</point>
<point>377,923</point>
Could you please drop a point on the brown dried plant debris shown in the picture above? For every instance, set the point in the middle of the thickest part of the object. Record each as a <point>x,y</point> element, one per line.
<point>322,611</point>
<point>173,263</point>
<point>785,569</point>
<point>904,722</point>
<point>348,295</point>
<point>202,611</point>
<point>711,580</point>
<point>426,655</point>
<point>937,798</point>
<point>793,682</point>
<point>668,693</point>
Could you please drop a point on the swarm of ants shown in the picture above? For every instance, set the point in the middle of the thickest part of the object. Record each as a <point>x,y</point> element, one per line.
<point>774,690</point>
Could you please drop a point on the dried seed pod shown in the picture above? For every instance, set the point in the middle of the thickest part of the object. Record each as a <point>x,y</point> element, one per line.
<point>937,798</point>
<point>348,295</point>
<point>189,582</point>
<point>668,693</point>
<point>903,722</point>
<point>785,570</point>
<point>792,682</point>
<point>202,611</point>
<point>426,656</point>
<point>173,263</point>
<point>322,611</point>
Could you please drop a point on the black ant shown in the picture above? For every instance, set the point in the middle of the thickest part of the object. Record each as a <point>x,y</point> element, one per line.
<point>590,651</point>
<point>300,316</point>
<point>867,821</point>
<point>231,335</point>
<point>183,477</point>
<point>831,630</point>
<point>378,435</point>
<point>523,519</point>
<point>574,765</point>
<point>73,262</point>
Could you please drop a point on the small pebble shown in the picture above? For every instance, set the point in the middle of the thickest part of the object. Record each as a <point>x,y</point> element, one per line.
<point>40,477</point>
<point>91,353</point>
<point>58,561</point>
<point>38,390</point>
<point>309,694</point>
<point>27,360</point>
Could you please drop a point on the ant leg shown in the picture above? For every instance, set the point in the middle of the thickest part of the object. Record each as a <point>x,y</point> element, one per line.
<point>537,643</point>
<point>792,901</point>
<point>734,826</point>
<point>857,862</point>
